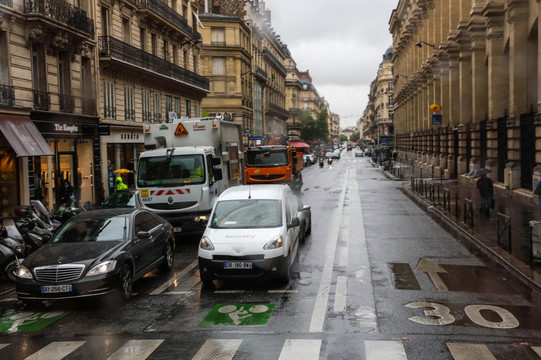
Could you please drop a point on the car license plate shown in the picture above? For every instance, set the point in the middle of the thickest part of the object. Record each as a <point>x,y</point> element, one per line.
<point>56,289</point>
<point>177,229</point>
<point>237,265</point>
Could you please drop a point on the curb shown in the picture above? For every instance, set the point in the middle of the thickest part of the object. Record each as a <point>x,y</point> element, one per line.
<point>497,254</point>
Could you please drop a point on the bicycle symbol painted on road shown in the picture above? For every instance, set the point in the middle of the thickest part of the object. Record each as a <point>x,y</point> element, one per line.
<point>238,315</point>
<point>28,321</point>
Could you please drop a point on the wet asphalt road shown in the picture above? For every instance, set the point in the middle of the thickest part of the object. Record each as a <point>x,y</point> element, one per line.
<point>376,279</point>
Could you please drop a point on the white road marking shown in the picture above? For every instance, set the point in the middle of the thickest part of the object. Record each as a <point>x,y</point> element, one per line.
<point>320,307</point>
<point>179,292</point>
<point>218,349</point>
<point>343,257</point>
<point>432,270</point>
<point>174,280</point>
<point>229,291</point>
<point>300,349</point>
<point>384,350</point>
<point>283,291</point>
<point>537,350</point>
<point>3,346</point>
<point>340,294</point>
<point>135,350</point>
<point>470,351</point>
<point>56,350</point>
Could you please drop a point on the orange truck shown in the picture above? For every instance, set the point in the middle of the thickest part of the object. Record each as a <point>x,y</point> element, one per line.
<point>275,162</point>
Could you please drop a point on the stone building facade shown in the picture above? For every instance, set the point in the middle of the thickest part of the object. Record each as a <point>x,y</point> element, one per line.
<point>479,62</point>
<point>149,68</point>
<point>48,116</point>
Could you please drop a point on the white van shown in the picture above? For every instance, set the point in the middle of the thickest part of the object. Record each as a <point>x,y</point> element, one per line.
<point>253,232</point>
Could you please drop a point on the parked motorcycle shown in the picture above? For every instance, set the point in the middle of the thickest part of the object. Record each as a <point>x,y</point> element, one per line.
<point>12,249</point>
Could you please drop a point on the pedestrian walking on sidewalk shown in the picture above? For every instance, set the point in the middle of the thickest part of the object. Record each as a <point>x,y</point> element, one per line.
<point>486,190</point>
<point>537,191</point>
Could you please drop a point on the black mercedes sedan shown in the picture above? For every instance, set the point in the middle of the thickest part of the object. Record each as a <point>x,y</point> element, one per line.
<point>96,253</point>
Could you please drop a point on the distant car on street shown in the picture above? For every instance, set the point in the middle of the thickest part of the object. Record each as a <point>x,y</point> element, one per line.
<point>97,253</point>
<point>359,153</point>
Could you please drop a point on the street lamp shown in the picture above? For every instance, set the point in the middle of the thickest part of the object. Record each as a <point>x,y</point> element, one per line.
<point>195,41</point>
<point>420,44</point>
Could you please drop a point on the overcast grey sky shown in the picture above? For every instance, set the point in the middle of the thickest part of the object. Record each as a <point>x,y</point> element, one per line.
<point>340,42</point>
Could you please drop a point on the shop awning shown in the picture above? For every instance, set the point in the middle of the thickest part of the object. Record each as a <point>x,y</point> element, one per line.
<point>300,145</point>
<point>23,136</point>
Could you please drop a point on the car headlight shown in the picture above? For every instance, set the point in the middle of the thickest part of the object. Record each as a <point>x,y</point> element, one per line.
<point>102,268</point>
<point>24,273</point>
<point>206,244</point>
<point>275,243</point>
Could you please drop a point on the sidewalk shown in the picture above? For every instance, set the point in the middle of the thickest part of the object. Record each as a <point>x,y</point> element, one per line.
<point>514,249</point>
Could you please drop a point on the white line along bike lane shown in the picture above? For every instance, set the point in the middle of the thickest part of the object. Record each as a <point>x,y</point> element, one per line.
<point>343,219</point>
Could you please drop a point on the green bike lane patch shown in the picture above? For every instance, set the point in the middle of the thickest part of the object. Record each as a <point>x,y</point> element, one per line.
<point>28,321</point>
<point>245,314</point>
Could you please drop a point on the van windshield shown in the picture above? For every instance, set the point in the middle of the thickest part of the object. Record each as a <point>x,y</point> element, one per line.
<point>179,170</point>
<point>247,214</point>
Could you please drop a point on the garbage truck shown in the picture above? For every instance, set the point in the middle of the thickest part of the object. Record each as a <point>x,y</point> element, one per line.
<point>190,162</point>
<point>275,161</point>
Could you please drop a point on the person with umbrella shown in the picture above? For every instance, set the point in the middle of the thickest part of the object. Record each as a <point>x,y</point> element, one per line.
<point>486,190</point>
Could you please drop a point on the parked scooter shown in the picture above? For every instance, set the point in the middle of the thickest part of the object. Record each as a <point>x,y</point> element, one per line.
<point>12,249</point>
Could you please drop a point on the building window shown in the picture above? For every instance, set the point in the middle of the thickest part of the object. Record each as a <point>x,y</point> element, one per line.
<point>105,21</point>
<point>175,54</point>
<point>109,99</point>
<point>185,59</point>
<point>194,59</point>
<point>157,108</point>
<point>129,103</point>
<point>168,105</point>
<point>87,102</point>
<point>218,36</point>
<point>177,106</point>
<point>154,44</point>
<point>4,60</point>
<point>188,108</point>
<point>143,36</point>
<point>165,50</point>
<point>126,31</point>
<point>147,114</point>
<point>65,99</point>
<point>218,66</point>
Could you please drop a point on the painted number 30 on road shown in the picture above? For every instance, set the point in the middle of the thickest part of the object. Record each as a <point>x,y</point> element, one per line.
<point>438,314</point>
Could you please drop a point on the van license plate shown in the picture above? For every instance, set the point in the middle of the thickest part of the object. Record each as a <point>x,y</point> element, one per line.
<point>238,265</point>
<point>177,229</point>
<point>56,289</point>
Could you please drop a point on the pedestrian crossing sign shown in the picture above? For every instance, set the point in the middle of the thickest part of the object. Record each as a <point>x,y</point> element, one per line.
<point>256,314</point>
<point>180,130</point>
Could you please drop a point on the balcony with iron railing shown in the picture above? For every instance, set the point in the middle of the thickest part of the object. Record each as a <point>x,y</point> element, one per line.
<point>122,53</point>
<point>62,12</point>
<point>66,103</point>
<point>7,95</point>
<point>166,13</point>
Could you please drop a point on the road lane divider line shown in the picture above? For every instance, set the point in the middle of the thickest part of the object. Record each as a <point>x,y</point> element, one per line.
<point>282,291</point>
<point>174,279</point>
<point>56,350</point>
<point>136,350</point>
<point>229,291</point>
<point>300,349</point>
<point>537,350</point>
<point>461,351</point>
<point>340,294</point>
<point>3,346</point>
<point>223,349</point>
<point>388,350</point>
<point>320,306</point>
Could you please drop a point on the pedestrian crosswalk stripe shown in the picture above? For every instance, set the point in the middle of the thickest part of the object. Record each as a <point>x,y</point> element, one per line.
<point>462,351</point>
<point>3,346</point>
<point>218,349</point>
<point>340,294</point>
<point>56,350</point>
<point>537,350</point>
<point>136,350</point>
<point>388,350</point>
<point>300,349</point>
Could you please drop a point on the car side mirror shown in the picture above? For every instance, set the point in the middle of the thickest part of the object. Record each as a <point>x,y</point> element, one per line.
<point>294,223</point>
<point>143,235</point>
<point>216,161</point>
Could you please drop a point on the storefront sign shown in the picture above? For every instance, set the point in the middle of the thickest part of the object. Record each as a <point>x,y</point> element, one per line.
<point>66,128</point>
